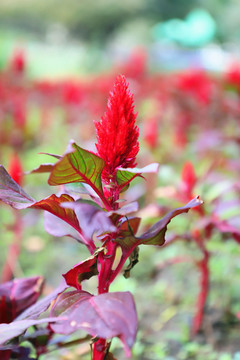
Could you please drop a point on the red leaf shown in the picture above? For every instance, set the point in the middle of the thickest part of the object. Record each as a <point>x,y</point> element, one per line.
<point>133,223</point>
<point>82,271</point>
<point>53,204</point>
<point>43,168</point>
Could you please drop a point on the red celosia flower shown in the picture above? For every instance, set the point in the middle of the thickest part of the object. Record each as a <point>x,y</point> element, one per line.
<point>117,134</point>
<point>15,169</point>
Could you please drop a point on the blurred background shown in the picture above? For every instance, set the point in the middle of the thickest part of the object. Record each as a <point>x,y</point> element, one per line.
<point>58,62</point>
<point>62,38</point>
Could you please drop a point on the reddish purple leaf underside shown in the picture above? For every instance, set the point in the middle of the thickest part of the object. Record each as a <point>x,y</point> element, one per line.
<point>16,328</point>
<point>92,218</point>
<point>156,234</point>
<point>17,295</point>
<point>34,311</point>
<point>106,315</point>
<point>11,193</point>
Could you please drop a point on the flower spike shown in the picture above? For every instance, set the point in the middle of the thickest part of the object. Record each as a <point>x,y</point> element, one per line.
<point>117,134</point>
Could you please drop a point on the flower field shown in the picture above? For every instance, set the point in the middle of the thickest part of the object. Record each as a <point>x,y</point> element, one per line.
<point>96,168</point>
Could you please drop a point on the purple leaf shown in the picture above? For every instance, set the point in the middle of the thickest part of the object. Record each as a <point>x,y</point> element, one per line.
<point>92,218</point>
<point>17,295</point>
<point>106,315</point>
<point>224,227</point>
<point>156,234</point>
<point>11,193</point>
<point>78,165</point>
<point>34,311</point>
<point>151,168</point>
<point>16,328</point>
<point>125,209</point>
<point>57,227</point>
<point>14,352</point>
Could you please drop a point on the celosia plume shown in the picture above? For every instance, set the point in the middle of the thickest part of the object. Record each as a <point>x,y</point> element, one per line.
<point>117,134</point>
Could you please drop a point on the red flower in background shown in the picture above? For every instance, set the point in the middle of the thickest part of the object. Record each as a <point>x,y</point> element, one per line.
<point>151,132</point>
<point>15,169</point>
<point>117,134</point>
<point>233,77</point>
<point>18,61</point>
<point>136,65</point>
<point>189,179</point>
<point>197,84</point>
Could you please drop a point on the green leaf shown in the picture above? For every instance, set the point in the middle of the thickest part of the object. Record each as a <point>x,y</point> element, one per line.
<point>125,176</point>
<point>78,165</point>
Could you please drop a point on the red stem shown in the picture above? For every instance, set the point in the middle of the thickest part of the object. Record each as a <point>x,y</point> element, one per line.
<point>14,250</point>
<point>100,349</point>
<point>125,256</point>
<point>204,286</point>
<point>106,274</point>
